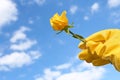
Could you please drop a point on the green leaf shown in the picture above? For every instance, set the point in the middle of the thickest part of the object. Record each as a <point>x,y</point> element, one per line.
<point>70,26</point>
<point>67,30</point>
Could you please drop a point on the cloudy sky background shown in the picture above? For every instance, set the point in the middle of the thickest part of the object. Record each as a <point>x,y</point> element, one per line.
<point>31,50</point>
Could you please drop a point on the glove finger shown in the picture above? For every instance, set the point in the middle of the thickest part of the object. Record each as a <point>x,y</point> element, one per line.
<point>100,36</point>
<point>87,56</point>
<point>117,62</point>
<point>99,62</point>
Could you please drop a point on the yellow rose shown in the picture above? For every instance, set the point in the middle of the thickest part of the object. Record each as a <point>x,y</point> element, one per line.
<point>102,48</point>
<point>59,22</point>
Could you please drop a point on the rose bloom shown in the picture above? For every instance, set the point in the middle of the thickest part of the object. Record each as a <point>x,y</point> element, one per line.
<point>59,22</point>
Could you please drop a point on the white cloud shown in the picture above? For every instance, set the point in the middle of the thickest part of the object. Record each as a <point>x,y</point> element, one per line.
<point>86,18</point>
<point>15,59</point>
<point>23,45</point>
<point>19,34</point>
<point>32,2</point>
<point>81,67</point>
<point>115,17</point>
<point>73,9</point>
<point>26,2</point>
<point>8,12</point>
<point>63,66</point>
<point>4,68</point>
<point>60,41</point>
<point>60,4</point>
<point>40,2</point>
<point>22,52</point>
<point>113,3</point>
<point>95,7</point>
<point>85,75</point>
<point>81,71</point>
<point>20,41</point>
<point>30,21</point>
<point>49,75</point>
<point>35,54</point>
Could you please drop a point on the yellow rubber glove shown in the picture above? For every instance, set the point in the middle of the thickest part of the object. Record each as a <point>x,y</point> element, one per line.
<point>101,48</point>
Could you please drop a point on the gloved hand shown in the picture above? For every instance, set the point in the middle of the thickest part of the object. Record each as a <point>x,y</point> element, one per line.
<point>101,48</point>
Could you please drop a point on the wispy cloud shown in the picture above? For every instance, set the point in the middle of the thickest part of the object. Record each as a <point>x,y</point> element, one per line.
<point>8,12</point>
<point>48,75</point>
<point>63,66</point>
<point>23,45</point>
<point>60,4</point>
<point>113,3</point>
<point>30,21</point>
<point>60,41</point>
<point>86,18</point>
<point>71,71</point>
<point>20,41</point>
<point>115,17</point>
<point>31,2</point>
<point>80,71</point>
<point>15,59</point>
<point>19,34</point>
<point>21,53</point>
<point>73,9</point>
<point>39,2</point>
<point>95,7</point>
<point>35,54</point>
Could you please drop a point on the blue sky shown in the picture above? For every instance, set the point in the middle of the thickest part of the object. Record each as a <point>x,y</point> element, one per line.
<point>31,50</point>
